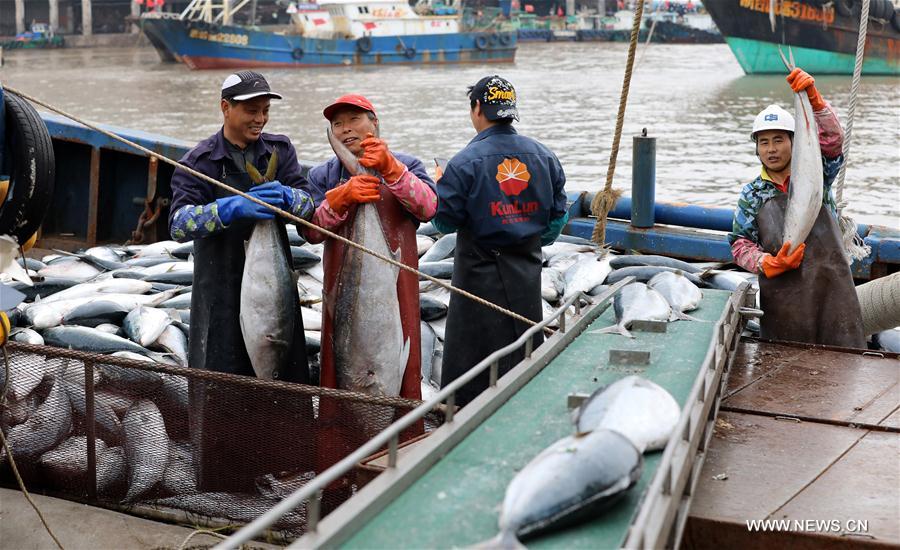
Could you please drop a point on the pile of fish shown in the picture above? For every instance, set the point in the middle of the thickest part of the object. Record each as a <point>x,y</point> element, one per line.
<point>579,476</point>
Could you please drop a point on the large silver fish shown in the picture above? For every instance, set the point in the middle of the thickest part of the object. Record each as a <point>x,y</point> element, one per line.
<point>805,189</point>
<point>370,350</point>
<point>635,302</point>
<point>635,407</point>
<point>146,447</point>
<point>575,478</point>
<point>44,429</point>
<point>267,298</point>
<point>681,294</point>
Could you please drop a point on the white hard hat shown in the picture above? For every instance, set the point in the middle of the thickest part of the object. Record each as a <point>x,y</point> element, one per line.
<point>772,117</point>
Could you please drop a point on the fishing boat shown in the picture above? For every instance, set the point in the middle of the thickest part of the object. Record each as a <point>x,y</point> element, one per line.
<point>332,33</point>
<point>401,491</point>
<point>822,36</point>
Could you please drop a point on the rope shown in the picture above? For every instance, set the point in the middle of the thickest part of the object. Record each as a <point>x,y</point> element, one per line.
<point>9,454</point>
<point>855,247</point>
<point>605,200</point>
<point>281,212</point>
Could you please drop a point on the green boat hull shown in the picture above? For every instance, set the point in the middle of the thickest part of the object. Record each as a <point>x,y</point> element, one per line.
<point>758,57</point>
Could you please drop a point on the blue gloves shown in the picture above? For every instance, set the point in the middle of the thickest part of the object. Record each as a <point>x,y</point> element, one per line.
<point>235,208</point>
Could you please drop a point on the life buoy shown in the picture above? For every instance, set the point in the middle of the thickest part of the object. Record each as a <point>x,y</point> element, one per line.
<point>506,39</point>
<point>31,170</point>
<point>481,42</point>
<point>297,53</point>
<point>409,52</point>
<point>364,44</point>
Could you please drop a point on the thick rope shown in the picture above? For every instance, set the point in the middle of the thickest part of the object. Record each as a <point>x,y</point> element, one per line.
<point>605,200</point>
<point>855,247</point>
<point>9,454</point>
<point>280,212</point>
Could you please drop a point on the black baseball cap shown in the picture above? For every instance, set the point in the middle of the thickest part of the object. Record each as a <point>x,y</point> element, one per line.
<point>497,97</point>
<point>244,85</point>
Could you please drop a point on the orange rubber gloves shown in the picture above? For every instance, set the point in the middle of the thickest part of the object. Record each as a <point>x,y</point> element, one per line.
<point>773,266</point>
<point>377,156</point>
<point>358,189</point>
<point>802,80</point>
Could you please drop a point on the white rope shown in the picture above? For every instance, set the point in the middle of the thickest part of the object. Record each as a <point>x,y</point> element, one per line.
<point>855,247</point>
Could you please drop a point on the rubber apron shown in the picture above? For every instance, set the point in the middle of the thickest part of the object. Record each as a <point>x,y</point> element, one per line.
<point>225,419</point>
<point>507,276</point>
<point>815,303</point>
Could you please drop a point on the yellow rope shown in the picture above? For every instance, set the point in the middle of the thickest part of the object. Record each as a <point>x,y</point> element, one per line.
<point>279,211</point>
<point>9,455</point>
<point>605,200</point>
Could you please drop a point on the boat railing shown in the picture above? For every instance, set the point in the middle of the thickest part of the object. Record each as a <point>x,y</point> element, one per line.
<point>312,492</point>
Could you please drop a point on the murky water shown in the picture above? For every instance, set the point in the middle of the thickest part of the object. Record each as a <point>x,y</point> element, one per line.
<point>694,98</point>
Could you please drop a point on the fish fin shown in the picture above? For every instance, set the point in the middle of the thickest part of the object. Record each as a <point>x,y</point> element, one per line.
<point>254,174</point>
<point>505,540</point>
<point>617,329</point>
<point>272,167</point>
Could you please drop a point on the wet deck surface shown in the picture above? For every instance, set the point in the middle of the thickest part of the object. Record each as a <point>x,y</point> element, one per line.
<point>457,502</point>
<point>803,434</point>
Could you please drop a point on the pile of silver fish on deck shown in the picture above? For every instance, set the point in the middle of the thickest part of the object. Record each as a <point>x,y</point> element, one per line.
<point>579,476</point>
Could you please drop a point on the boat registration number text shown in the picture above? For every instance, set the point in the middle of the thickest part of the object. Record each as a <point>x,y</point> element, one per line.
<point>224,37</point>
<point>788,8</point>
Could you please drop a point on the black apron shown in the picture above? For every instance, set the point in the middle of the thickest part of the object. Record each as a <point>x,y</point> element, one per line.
<point>507,276</point>
<point>229,425</point>
<point>815,303</point>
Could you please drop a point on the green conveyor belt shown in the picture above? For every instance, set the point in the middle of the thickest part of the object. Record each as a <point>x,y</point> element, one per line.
<point>457,502</point>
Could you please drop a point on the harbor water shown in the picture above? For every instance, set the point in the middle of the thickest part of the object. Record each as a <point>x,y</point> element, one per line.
<point>694,98</point>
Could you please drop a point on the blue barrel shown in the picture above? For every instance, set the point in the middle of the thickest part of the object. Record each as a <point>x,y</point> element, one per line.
<point>643,180</point>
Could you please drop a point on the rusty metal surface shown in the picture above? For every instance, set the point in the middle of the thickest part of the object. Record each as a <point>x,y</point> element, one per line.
<point>817,383</point>
<point>839,462</point>
<point>868,476</point>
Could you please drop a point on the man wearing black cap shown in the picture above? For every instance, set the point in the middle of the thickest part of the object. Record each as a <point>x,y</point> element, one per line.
<point>503,194</point>
<point>224,429</point>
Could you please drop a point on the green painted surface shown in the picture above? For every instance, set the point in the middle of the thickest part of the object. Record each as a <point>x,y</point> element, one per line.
<point>757,57</point>
<point>457,502</point>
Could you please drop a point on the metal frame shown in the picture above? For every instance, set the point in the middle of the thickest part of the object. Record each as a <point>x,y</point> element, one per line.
<point>354,513</point>
<point>661,519</point>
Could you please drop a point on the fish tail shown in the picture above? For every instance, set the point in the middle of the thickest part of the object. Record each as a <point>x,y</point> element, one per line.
<point>685,317</point>
<point>614,329</point>
<point>505,540</point>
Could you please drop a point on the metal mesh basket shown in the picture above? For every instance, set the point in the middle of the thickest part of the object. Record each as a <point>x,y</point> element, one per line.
<point>185,445</point>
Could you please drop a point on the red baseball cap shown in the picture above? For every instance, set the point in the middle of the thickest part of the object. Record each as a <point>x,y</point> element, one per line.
<point>349,100</point>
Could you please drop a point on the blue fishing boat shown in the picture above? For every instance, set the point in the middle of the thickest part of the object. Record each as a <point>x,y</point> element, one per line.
<point>333,33</point>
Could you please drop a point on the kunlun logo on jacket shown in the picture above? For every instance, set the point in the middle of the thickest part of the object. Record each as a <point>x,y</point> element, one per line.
<point>513,176</point>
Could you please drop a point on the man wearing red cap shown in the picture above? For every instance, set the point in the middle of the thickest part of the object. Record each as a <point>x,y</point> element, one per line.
<point>406,198</point>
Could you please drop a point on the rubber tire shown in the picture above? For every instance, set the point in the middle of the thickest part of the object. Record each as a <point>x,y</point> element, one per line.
<point>494,39</point>
<point>29,142</point>
<point>481,42</point>
<point>847,7</point>
<point>364,44</point>
<point>297,54</point>
<point>506,39</point>
<point>409,52</point>
<point>895,20</point>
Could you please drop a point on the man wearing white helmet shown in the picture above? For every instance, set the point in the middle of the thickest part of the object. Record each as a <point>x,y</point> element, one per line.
<point>794,309</point>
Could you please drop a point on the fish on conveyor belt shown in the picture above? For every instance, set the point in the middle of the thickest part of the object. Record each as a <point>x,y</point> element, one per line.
<point>574,479</point>
<point>681,294</point>
<point>267,310</point>
<point>553,284</point>
<point>368,306</point>
<point>635,302</point>
<point>146,447</point>
<point>635,407</point>
<point>644,273</point>
<point>586,274</point>
<point>805,190</point>
<point>633,260</point>
<point>143,325</point>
